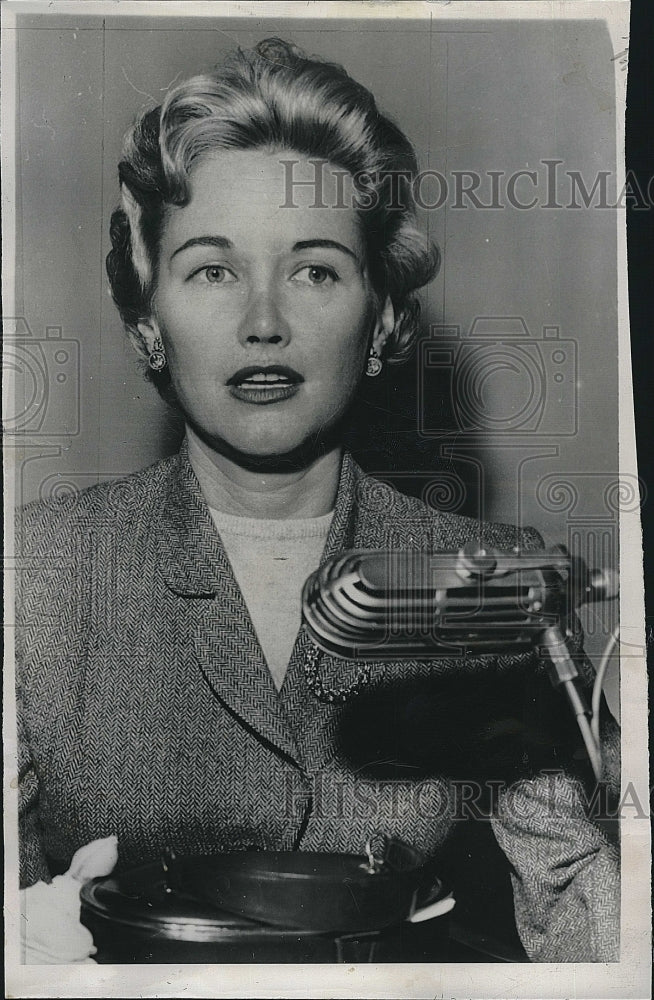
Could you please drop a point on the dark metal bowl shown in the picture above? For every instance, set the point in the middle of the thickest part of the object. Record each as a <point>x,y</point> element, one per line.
<point>257,907</point>
<point>311,891</point>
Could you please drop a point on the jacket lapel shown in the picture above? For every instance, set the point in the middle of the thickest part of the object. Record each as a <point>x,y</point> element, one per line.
<point>314,721</point>
<point>196,567</point>
<point>365,516</point>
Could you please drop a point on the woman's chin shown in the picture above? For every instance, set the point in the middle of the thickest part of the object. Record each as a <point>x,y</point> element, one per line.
<point>270,453</point>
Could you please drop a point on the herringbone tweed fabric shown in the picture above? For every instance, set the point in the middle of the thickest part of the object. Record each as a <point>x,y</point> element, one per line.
<point>147,710</point>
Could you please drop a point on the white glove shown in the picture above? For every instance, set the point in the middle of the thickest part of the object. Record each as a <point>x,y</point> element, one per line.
<point>51,932</point>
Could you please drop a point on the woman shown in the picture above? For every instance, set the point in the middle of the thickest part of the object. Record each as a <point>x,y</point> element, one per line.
<point>263,264</point>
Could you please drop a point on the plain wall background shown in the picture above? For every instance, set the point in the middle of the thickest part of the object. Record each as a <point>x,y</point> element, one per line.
<point>477,96</point>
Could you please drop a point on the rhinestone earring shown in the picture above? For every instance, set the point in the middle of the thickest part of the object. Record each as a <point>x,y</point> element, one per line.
<point>157,359</point>
<point>375,364</point>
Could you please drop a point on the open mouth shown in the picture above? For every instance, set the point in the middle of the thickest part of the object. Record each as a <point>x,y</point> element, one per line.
<point>264,384</point>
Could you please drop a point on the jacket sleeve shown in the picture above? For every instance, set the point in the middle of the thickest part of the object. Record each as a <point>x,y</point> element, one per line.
<point>564,870</point>
<point>33,863</point>
<point>565,865</point>
<point>31,599</point>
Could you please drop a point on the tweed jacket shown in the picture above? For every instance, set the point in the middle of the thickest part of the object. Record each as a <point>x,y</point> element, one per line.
<point>146,709</point>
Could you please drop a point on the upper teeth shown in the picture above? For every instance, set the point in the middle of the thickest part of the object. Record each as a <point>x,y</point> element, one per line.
<point>266,377</point>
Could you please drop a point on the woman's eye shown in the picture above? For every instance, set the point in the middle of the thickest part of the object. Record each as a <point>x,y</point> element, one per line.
<point>316,274</point>
<point>216,275</point>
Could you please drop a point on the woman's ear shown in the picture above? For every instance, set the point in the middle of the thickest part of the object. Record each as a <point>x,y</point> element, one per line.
<point>384,326</point>
<point>149,330</point>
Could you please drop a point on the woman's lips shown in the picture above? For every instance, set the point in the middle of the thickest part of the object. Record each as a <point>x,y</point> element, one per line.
<point>263,384</point>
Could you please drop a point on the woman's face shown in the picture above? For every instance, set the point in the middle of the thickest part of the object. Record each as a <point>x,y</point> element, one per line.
<point>265,311</point>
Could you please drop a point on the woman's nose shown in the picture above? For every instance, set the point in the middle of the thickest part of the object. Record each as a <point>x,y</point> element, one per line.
<point>264,321</point>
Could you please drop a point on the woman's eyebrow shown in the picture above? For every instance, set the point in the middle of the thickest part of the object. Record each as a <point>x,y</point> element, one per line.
<point>221,242</point>
<point>325,244</point>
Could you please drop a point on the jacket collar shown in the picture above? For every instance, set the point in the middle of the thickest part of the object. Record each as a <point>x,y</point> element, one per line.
<point>188,542</point>
<point>195,565</point>
<point>191,554</point>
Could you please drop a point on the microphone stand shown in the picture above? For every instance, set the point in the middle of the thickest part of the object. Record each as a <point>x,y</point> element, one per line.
<point>563,673</point>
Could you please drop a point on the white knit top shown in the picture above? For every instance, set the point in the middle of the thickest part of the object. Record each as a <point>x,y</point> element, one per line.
<point>271,559</point>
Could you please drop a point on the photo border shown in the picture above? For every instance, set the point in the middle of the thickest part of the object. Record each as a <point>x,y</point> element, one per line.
<point>629,977</point>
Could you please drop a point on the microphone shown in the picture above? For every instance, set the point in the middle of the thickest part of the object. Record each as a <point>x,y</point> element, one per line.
<point>390,604</point>
<point>394,604</point>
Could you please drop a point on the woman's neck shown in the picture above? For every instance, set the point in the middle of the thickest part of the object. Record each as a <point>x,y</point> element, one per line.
<point>307,492</point>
